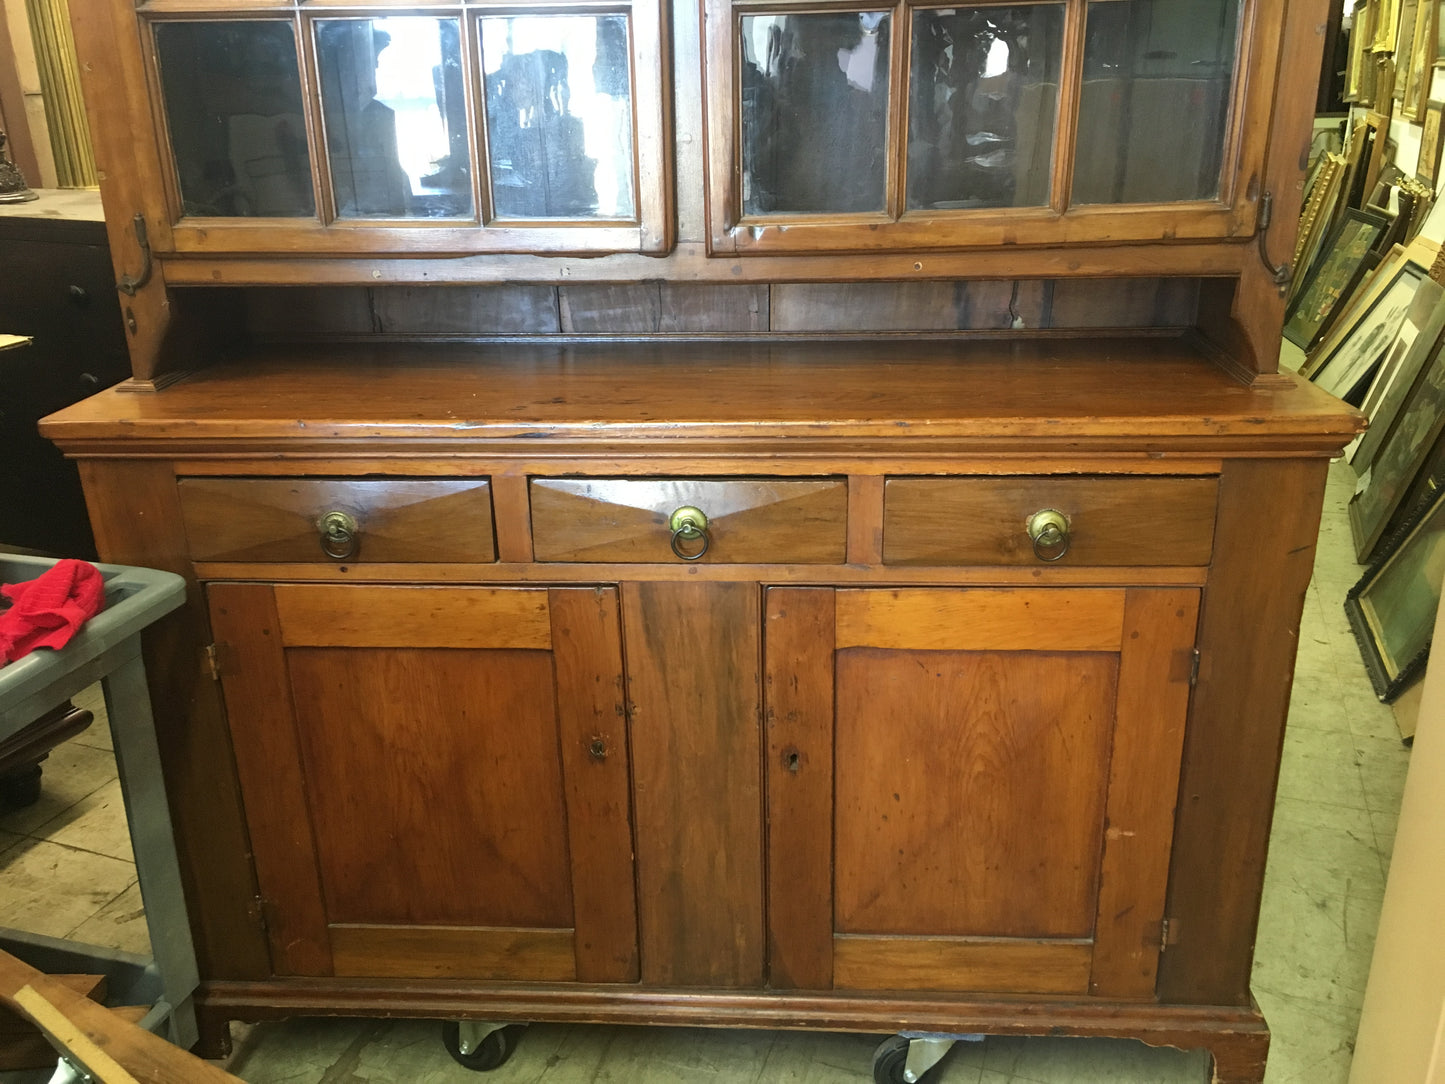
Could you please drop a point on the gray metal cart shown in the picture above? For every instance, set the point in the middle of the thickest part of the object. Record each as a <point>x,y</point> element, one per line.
<point>108,649</point>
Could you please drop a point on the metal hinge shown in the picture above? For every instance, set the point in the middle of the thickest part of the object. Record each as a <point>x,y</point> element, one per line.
<point>1194,668</point>
<point>213,661</point>
<point>256,907</point>
<point>1168,934</point>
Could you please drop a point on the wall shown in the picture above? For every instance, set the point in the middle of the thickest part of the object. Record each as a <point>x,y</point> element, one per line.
<point>1400,1035</point>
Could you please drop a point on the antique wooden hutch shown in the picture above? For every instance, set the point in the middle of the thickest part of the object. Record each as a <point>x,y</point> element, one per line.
<point>772,513</point>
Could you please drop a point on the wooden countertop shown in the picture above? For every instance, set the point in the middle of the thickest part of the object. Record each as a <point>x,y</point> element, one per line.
<point>1130,393</point>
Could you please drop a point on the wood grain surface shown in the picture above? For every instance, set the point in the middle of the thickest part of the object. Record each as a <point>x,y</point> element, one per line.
<point>398,519</point>
<point>264,735</point>
<point>1031,395</point>
<point>359,616</point>
<point>453,952</point>
<point>961,963</point>
<point>798,705</point>
<point>1269,515</point>
<point>969,793</point>
<point>1150,717</point>
<point>434,784</point>
<point>596,770</point>
<point>748,520</point>
<point>693,658</point>
<point>983,619</point>
<point>1112,521</point>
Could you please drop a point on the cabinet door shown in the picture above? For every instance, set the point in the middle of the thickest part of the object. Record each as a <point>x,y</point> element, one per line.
<point>328,131</point>
<point>867,126</point>
<point>973,789</point>
<point>435,778</point>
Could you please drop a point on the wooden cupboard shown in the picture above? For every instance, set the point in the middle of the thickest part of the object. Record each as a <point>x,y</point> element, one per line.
<point>855,588</point>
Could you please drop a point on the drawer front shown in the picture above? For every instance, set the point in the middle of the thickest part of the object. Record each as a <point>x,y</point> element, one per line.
<point>1109,521</point>
<point>387,519</point>
<point>749,520</point>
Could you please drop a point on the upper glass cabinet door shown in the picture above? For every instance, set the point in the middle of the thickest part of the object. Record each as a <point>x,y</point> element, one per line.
<point>1027,122</point>
<point>464,128</point>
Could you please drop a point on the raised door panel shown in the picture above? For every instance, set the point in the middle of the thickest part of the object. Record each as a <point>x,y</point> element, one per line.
<point>434,806</point>
<point>993,774</point>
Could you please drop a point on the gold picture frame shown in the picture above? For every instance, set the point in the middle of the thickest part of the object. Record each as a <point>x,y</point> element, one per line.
<point>1417,72</point>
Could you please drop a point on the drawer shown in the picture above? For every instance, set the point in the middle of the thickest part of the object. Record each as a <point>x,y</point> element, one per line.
<point>1108,521</point>
<point>388,519</point>
<point>749,520</point>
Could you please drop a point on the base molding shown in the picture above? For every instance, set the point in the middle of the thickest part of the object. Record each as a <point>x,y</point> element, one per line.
<point>1237,1038</point>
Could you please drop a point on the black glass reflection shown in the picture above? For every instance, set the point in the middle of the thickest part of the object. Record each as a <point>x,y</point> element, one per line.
<point>815,112</point>
<point>1158,76</point>
<point>395,114</point>
<point>559,116</point>
<point>983,97</point>
<point>232,94</point>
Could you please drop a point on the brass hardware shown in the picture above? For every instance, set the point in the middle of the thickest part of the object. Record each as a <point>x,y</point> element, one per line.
<point>1049,532</point>
<point>598,749</point>
<point>687,525</point>
<point>340,535</point>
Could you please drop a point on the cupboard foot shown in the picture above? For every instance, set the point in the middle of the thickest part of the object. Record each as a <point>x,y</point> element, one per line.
<point>214,1030</point>
<point>1240,1059</point>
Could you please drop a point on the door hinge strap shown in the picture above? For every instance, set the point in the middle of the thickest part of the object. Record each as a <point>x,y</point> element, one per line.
<point>1281,274</point>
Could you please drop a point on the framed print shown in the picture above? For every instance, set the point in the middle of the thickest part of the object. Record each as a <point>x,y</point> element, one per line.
<point>1411,349</point>
<point>1427,170</point>
<point>1385,481</point>
<point>1342,260</point>
<point>1347,313</point>
<point>1318,211</point>
<point>1392,608</point>
<point>1370,337</point>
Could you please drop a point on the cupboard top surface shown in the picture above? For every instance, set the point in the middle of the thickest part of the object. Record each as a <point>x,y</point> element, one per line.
<point>1130,391</point>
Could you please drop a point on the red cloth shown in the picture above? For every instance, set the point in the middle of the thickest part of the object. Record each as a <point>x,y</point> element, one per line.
<point>49,610</point>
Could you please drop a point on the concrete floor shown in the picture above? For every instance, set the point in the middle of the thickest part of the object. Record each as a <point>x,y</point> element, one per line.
<point>66,870</point>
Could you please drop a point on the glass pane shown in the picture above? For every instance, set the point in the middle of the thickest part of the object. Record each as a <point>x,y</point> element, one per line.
<point>815,112</point>
<point>395,116</point>
<point>983,97</point>
<point>559,116</point>
<point>232,95</point>
<point>1155,105</point>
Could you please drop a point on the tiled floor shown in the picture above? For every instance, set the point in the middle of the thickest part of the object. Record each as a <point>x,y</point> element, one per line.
<point>65,869</point>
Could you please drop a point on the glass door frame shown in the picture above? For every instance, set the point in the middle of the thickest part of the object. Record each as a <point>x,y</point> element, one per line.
<point>1232,213</point>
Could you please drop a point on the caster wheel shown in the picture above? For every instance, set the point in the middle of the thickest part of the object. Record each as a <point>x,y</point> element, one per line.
<point>490,1053</point>
<point>21,787</point>
<point>890,1059</point>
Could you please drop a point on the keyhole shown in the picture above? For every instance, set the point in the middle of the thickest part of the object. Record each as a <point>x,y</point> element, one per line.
<point>792,760</point>
<point>598,749</point>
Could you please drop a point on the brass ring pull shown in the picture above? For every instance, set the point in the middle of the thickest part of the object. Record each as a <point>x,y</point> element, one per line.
<point>688,524</point>
<point>340,535</point>
<point>1049,532</point>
